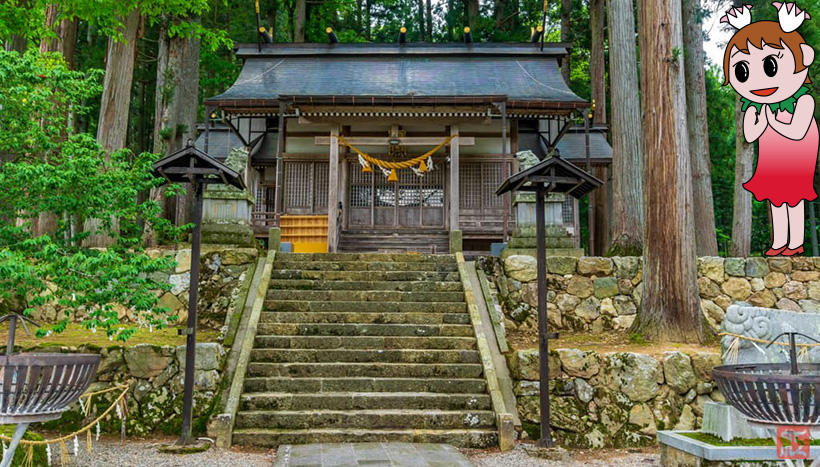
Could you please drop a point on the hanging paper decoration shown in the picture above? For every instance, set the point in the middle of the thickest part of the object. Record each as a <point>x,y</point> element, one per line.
<point>424,162</point>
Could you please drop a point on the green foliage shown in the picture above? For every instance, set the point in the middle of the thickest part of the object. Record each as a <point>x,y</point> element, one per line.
<point>49,171</point>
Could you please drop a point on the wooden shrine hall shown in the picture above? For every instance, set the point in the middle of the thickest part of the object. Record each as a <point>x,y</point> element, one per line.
<point>367,147</point>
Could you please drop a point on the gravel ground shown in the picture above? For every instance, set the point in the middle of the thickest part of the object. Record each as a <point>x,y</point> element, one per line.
<point>134,453</point>
<point>603,457</point>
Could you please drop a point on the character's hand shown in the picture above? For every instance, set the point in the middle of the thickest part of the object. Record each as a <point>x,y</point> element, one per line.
<point>754,124</point>
<point>771,116</point>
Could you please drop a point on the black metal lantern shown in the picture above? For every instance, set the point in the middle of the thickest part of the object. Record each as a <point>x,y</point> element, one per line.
<point>190,165</point>
<point>552,175</point>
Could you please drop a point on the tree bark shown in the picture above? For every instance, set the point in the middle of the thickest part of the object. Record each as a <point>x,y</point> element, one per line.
<point>742,207</point>
<point>299,15</point>
<point>175,106</point>
<point>16,42</point>
<point>694,62</point>
<point>49,44</point>
<point>498,11</point>
<point>670,307</point>
<point>422,23</point>
<point>429,20</point>
<point>472,12</point>
<point>115,104</point>
<point>596,61</point>
<point>68,41</point>
<point>627,154</point>
<point>367,19</point>
<point>566,12</point>
<point>599,197</point>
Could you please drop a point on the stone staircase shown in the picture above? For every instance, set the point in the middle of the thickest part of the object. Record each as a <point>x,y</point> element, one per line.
<point>365,348</point>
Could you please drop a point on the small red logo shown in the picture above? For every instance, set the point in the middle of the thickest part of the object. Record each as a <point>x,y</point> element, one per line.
<point>793,442</point>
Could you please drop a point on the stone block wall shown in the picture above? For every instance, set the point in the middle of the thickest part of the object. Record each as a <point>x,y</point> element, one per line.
<point>155,375</point>
<point>615,400</point>
<point>221,274</point>
<point>598,294</point>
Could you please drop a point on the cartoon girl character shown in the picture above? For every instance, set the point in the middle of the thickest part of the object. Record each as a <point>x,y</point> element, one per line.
<point>766,62</point>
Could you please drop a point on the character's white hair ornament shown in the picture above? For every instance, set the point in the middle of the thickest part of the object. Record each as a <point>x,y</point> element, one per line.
<point>738,17</point>
<point>790,16</point>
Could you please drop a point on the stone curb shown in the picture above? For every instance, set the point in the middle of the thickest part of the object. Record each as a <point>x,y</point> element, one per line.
<point>677,440</point>
<point>504,418</point>
<point>221,426</point>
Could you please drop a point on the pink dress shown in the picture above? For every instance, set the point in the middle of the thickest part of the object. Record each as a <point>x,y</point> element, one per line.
<point>785,167</point>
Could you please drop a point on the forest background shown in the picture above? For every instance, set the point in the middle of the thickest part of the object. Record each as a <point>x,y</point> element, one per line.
<point>182,54</point>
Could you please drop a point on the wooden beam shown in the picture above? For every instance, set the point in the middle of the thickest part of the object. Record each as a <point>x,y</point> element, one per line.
<point>191,170</point>
<point>454,195</point>
<point>385,141</point>
<point>333,189</point>
<point>552,179</point>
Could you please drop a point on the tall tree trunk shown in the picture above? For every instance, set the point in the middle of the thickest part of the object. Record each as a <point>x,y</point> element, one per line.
<point>422,23</point>
<point>429,20</point>
<point>299,15</point>
<point>16,42</point>
<point>694,61</point>
<point>742,206</point>
<point>627,154</point>
<point>472,12</point>
<point>566,12</point>
<point>599,198</point>
<point>175,106</point>
<point>596,61</point>
<point>49,44</point>
<point>115,104</point>
<point>367,19</point>
<point>450,19</point>
<point>498,11</point>
<point>68,41</point>
<point>670,307</point>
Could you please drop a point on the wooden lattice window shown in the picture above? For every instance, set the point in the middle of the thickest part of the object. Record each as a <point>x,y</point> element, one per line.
<point>305,187</point>
<point>477,184</point>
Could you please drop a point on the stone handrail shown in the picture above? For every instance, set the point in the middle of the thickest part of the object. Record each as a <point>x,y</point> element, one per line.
<point>504,417</point>
<point>220,426</point>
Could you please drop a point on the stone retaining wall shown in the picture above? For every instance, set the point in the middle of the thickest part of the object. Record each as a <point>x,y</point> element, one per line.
<point>616,399</point>
<point>222,272</point>
<point>154,401</point>
<point>594,293</point>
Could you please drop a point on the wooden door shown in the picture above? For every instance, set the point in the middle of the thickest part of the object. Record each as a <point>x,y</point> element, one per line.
<point>411,203</point>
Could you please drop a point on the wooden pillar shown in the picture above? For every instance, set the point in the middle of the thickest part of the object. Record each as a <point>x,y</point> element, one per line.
<point>280,150</point>
<point>454,195</point>
<point>333,190</point>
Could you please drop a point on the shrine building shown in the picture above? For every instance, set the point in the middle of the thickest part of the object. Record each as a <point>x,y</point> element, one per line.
<point>368,147</point>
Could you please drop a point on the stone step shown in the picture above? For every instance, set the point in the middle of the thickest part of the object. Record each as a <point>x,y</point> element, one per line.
<point>364,342</point>
<point>365,266</point>
<point>306,317</point>
<point>358,329</point>
<point>371,369</point>
<point>368,257</point>
<point>365,307</point>
<point>363,356</point>
<point>406,276</point>
<point>364,401</point>
<point>272,438</point>
<point>397,418</point>
<point>324,385</point>
<point>365,296</point>
<point>402,286</point>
